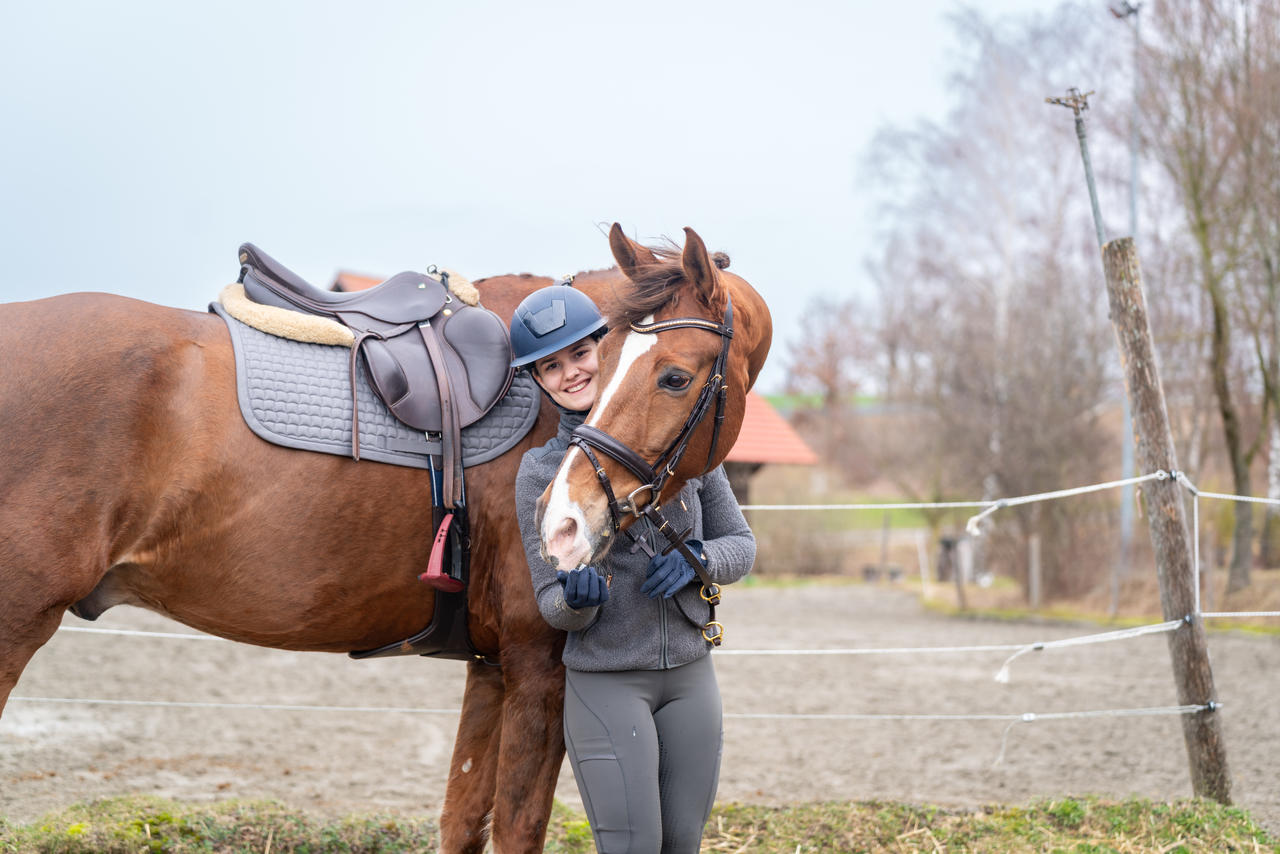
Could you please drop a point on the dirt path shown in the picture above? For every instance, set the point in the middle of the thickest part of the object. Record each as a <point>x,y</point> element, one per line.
<point>52,755</point>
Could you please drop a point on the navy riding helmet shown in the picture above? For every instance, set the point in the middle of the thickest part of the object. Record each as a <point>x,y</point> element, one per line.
<point>550,319</point>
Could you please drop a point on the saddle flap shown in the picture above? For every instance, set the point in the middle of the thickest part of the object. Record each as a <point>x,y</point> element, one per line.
<point>477,355</point>
<point>480,348</point>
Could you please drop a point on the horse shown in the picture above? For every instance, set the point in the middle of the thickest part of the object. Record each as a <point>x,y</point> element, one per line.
<point>130,477</point>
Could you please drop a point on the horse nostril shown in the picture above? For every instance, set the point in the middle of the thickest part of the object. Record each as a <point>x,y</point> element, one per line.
<point>563,536</point>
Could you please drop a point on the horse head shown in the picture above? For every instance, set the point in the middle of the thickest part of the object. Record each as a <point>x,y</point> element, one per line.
<point>686,340</point>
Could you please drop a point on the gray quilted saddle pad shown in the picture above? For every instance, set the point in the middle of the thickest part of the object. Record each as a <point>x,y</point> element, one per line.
<point>299,395</point>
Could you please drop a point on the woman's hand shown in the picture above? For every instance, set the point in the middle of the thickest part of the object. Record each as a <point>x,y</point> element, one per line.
<point>583,587</point>
<point>668,573</point>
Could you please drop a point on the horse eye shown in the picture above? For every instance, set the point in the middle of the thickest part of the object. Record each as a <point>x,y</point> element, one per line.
<point>675,382</point>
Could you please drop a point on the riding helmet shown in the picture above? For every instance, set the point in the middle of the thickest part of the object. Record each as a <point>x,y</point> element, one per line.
<point>550,319</point>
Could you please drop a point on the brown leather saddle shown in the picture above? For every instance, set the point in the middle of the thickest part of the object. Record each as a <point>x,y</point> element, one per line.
<point>437,363</point>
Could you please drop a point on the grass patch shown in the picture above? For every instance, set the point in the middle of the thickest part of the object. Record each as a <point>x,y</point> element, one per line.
<point>152,825</point>
<point>146,824</point>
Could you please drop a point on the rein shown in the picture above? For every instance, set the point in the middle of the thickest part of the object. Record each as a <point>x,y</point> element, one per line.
<point>653,477</point>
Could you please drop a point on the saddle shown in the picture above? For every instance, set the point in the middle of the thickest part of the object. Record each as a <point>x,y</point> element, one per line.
<point>437,363</point>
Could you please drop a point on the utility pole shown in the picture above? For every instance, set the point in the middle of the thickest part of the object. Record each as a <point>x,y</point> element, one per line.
<point>1126,11</point>
<point>1166,518</point>
<point>1078,103</point>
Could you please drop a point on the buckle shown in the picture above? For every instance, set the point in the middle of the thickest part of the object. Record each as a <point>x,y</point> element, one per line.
<point>710,595</point>
<point>713,632</point>
<point>630,503</point>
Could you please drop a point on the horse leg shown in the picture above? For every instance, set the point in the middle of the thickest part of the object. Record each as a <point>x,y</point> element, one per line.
<point>473,770</point>
<point>532,747</point>
<point>37,584</point>
<point>25,627</point>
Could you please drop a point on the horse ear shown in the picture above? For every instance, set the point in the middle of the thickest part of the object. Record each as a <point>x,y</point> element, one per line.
<point>629,254</point>
<point>699,268</point>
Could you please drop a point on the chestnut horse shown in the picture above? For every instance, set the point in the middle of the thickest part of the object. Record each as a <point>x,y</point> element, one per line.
<point>130,477</point>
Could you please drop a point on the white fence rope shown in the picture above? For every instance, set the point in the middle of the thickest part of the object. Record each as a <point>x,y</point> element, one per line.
<point>1025,717</point>
<point>1121,634</point>
<point>133,633</point>
<point>1018,649</point>
<point>1197,494</point>
<point>974,525</point>
<point>194,704</point>
<point>945,505</point>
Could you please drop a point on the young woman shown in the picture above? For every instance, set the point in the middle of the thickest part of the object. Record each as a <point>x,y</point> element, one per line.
<point>642,714</point>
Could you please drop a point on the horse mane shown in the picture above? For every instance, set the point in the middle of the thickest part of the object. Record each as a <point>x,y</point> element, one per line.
<point>653,286</point>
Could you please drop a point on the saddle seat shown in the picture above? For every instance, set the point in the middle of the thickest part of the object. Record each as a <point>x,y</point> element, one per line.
<point>404,298</point>
<point>437,363</point>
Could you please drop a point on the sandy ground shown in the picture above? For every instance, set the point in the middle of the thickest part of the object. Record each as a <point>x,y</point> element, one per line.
<point>336,761</point>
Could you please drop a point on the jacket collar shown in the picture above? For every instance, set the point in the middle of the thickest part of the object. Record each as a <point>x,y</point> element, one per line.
<point>569,420</point>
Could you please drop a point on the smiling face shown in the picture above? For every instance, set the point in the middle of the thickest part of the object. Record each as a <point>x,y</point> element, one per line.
<point>569,375</point>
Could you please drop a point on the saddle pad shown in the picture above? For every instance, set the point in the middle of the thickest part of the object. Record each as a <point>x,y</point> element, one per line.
<point>298,395</point>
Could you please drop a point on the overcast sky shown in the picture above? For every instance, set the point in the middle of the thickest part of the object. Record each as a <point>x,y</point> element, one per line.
<point>144,141</point>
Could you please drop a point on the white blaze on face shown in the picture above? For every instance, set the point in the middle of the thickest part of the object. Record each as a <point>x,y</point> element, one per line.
<point>564,525</point>
<point>636,345</point>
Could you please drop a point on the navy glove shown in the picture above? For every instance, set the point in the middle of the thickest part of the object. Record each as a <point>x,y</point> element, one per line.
<point>670,572</point>
<point>583,587</point>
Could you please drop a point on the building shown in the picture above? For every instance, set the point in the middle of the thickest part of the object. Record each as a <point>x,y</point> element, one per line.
<point>765,439</point>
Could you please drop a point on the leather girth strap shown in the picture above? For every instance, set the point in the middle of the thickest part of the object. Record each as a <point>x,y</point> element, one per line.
<point>450,427</point>
<point>355,399</point>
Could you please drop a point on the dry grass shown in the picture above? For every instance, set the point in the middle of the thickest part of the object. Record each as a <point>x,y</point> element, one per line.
<point>144,824</point>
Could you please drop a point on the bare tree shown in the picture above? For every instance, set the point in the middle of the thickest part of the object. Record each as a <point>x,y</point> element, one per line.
<point>1255,118</point>
<point>990,349</point>
<point>1210,106</point>
<point>992,314</point>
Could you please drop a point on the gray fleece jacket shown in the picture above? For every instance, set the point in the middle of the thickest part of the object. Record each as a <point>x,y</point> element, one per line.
<point>630,631</point>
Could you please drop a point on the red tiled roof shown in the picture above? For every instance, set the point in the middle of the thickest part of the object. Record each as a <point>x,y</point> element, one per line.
<point>766,437</point>
<point>348,282</point>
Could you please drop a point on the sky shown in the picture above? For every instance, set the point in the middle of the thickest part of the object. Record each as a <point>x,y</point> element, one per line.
<point>143,142</point>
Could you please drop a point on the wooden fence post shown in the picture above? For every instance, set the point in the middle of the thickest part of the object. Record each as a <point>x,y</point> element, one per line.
<point>1034,572</point>
<point>1166,519</point>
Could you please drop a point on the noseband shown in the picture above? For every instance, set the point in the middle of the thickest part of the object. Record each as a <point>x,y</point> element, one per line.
<point>653,477</point>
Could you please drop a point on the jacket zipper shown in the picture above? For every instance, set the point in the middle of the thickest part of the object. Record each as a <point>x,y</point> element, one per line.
<point>662,623</point>
<point>651,535</point>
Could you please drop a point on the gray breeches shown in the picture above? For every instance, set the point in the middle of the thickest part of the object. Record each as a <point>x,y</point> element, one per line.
<point>645,749</point>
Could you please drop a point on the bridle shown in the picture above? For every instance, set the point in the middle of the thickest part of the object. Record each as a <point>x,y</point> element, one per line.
<point>654,477</point>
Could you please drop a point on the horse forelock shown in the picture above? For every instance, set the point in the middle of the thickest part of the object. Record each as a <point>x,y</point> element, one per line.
<point>653,286</point>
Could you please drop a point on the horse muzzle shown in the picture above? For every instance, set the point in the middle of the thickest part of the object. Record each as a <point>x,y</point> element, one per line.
<point>571,534</point>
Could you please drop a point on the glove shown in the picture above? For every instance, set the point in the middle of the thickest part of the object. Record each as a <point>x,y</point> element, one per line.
<point>583,587</point>
<point>670,572</point>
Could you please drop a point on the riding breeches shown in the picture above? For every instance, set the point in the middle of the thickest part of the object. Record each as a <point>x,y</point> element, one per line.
<point>645,748</point>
